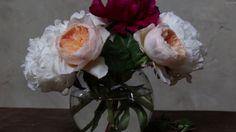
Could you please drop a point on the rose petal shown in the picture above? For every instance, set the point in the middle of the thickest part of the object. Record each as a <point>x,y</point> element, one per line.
<point>132,28</point>
<point>140,35</point>
<point>152,19</point>
<point>195,56</point>
<point>97,20</point>
<point>120,28</point>
<point>97,8</point>
<point>118,10</point>
<point>98,68</point>
<point>183,29</point>
<point>104,33</point>
<point>77,15</point>
<point>161,71</point>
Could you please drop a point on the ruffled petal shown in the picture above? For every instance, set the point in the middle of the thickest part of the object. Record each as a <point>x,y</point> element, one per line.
<point>127,15</point>
<point>119,28</point>
<point>183,29</point>
<point>77,15</point>
<point>152,19</point>
<point>43,65</point>
<point>97,8</point>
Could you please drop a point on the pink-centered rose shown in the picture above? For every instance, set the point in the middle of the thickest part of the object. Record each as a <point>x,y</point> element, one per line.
<point>127,15</point>
<point>65,48</point>
<point>82,43</point>
<point>173,46</point>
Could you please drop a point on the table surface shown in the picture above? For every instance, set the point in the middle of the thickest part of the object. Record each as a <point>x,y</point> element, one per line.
<point>60,120</point>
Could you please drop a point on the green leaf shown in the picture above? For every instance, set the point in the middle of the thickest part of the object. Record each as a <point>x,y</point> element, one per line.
<point>98,113</point>
<point>145,102</point>
<point>141,114</point>
<point>124,120</point>
<point>184,125</point>
<point>119,111</point>
<point>92,83</point>
<point>123,54</point>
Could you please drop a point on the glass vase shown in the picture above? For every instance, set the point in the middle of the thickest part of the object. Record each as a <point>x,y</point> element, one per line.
<point>114,105</point>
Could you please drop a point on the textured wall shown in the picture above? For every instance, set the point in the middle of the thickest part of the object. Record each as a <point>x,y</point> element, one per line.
<point>20,20</point>
<point>212,89</point>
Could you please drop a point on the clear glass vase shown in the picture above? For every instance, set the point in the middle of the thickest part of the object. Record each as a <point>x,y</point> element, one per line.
<point>119,106</point>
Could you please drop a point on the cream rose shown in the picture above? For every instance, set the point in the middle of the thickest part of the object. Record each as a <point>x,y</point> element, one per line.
<point>63,49</point>
<point>173,46</point>
<point>83,41</point>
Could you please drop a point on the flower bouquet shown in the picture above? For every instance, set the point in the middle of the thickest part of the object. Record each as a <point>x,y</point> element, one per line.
<point>99,56</point>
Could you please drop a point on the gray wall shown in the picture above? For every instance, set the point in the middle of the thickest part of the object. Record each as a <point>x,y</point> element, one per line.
<point>213,88</point>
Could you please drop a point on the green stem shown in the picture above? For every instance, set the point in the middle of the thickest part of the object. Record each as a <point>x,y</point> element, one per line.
<point>110,110</point>
<point>141,114</point>
<point>83,102</point>
<point>97,115</point>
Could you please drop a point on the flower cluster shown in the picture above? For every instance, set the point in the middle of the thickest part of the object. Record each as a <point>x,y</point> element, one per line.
<point>66,48</point>
<point>116,37</point>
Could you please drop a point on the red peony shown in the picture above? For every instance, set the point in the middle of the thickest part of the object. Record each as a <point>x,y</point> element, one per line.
<point>127,15</point>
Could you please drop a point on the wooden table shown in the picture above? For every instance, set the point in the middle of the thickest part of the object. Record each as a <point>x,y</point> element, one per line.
<point>60,120</point>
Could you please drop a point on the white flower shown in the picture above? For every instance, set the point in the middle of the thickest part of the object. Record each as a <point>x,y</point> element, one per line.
<point>50,67</point>
<point>173,46</point>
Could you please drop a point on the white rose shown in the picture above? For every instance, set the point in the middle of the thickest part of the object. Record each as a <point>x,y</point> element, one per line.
<point>172,44</point>
<point>52,59</point>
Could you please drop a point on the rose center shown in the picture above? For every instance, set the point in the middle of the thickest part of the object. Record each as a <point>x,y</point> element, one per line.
<point>74,38</point>
<point>175,43</point>
<point>170,37</point>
